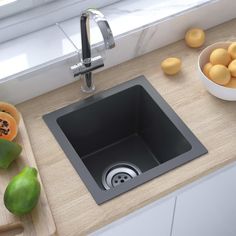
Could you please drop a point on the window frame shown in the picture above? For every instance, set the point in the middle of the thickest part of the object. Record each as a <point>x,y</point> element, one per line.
<point>44,15</point>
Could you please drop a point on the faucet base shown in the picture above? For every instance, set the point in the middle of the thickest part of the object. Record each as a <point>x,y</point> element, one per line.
<point>86,89</point>
<point>87,83</point>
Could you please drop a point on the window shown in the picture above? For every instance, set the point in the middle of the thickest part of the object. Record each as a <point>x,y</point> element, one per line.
<point>19,17</point>
<point>10,7</point>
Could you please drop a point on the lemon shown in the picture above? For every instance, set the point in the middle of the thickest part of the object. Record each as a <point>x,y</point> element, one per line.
<point>232,68</point>
<point>220,56</point>
<point>232,83</point>
<point>171,65</point>
<point>206,69</point>
<point>195,37</point>
<point>220,74</point>
<point>232,50</point>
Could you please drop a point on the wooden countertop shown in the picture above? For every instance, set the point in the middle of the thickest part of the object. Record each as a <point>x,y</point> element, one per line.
<point>212,120</point>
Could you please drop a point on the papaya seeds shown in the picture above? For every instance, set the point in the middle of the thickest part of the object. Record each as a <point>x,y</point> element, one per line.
<point>11,110</point>
<point>8,126</point>
<point>23,191</point>
<point>9,151</point>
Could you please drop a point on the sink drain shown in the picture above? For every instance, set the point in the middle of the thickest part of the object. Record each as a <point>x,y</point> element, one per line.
<point>118,174</point>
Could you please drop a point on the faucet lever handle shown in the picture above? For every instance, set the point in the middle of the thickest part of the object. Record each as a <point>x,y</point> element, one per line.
<point>81,68</point>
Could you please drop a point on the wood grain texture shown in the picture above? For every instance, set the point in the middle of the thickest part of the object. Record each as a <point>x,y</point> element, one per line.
<point>40,221</point>
<point>212,120</point>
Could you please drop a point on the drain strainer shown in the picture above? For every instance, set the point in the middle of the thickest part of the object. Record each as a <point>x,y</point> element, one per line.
<point>118,174</point>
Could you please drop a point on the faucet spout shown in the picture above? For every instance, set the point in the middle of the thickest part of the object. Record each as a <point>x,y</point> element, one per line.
<point>103,25</point>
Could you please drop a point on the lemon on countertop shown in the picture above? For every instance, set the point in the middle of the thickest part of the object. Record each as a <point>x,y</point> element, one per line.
<point>220,74</point>
<point>232,50</point>
<point>171,65</point>
<point>220,56</point>
<point>195,37</point>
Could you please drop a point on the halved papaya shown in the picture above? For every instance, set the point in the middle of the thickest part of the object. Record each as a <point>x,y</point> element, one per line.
<point>10,109</point>
<point>8,126</point>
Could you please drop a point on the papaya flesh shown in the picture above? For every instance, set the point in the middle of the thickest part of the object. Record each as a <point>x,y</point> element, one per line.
<point>8,126</point>
<point>9,151</point>
<point>23,191</point>
<point>11,110</point>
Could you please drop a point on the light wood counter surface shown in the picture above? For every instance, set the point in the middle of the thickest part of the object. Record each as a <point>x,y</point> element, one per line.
<point>212,120</point>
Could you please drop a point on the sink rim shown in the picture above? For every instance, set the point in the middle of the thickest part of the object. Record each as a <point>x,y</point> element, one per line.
<point>100,195</point>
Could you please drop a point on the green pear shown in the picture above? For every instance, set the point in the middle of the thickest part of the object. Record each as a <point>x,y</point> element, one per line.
<point>9,151</point>
<point>23,191</point>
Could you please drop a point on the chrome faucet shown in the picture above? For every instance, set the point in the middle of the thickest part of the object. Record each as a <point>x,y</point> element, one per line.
<point>88,63</point>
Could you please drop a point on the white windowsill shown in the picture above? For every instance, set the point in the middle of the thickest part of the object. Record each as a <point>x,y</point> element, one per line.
<point>42,16</point>
<point>148,24</point>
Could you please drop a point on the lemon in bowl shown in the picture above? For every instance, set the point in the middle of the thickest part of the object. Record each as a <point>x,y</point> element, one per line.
<point>216,73</point>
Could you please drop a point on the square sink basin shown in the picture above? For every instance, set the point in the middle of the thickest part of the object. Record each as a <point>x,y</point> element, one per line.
<point>122,137</point>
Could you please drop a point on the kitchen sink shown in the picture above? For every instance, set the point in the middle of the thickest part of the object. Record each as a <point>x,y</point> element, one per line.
<point>121,138</point>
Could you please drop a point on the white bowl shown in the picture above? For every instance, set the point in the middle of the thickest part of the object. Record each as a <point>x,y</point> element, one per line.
<point>219,91</point>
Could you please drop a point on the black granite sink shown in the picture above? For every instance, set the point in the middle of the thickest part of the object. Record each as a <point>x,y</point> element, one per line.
<point>122,137</point>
